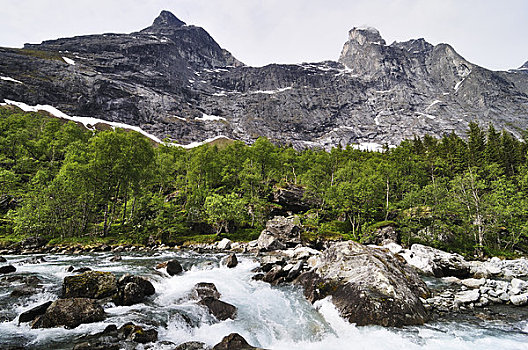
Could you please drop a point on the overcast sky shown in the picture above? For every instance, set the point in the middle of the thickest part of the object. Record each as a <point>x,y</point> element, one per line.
<point>257,32</point>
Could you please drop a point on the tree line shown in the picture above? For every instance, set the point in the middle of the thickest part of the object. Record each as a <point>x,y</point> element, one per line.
<point>59,180</point>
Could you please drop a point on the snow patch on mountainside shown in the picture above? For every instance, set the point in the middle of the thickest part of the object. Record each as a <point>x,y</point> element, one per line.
<point>207,117</point>
<point>11,79</point>
<point>88,122</point>
<point>68,60</point>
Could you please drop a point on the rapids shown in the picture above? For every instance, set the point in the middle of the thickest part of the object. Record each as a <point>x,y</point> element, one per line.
<point>269,317</point>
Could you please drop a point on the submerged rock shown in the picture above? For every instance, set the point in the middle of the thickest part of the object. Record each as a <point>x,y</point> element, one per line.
<point>219,309</point>
<point>70,313</point>
<point>91,284</point>
<point>233,341</point>
<point>367,285</point>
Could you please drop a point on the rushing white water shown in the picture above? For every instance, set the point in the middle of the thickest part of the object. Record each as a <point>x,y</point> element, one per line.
<point>269,317</point>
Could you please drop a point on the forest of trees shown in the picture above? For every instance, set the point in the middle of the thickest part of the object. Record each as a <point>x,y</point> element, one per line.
<point>59,180</point>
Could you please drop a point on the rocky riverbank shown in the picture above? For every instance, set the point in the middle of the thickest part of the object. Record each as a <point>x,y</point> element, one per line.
<point>383,285</point>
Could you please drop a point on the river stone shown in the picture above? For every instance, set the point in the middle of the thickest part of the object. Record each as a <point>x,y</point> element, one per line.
<point>219,309</point>
<point>174,267</point>
<point>205,290</point>
<point>90,284</point>
<point>143,336</point>
<point>7,269</point>
<point>519,300</point>
<point>2,259</point>
<point>192,345</point>
<point>31,314</point>
<point>473,282</point>
<point>518,284</point>
<point>70,313</point>
<point>233,341</point>
<point>467,296</point>
<point>367,285</point>
<point>132,290</point>
<point>231,261</point>
<point>224,244</point>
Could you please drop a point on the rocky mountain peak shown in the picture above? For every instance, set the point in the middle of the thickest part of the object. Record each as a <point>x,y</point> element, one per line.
<point>524,66</point>
<point>365,35</point>
<point>167,19</point>
<point>174,81</point>
<point>414,46</point>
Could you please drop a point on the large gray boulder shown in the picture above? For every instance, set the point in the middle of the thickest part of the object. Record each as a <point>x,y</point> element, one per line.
<point>91,284</point>
<point>367,285</point>
<point>280,233</point>
<point>70,313</point>
<point>435,262</point>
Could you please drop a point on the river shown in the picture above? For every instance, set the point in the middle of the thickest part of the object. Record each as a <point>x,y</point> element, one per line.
<point>269,317</point>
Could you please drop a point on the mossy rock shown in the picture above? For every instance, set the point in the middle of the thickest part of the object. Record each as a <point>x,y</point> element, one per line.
<point>91,284</point>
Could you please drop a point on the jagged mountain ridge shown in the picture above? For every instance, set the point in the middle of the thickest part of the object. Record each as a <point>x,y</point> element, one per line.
<point>174,81</point>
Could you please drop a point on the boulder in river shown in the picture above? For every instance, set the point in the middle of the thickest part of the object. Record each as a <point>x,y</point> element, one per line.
<point>132,290</point>
<point>224,244</point>
<point>7,269</point>
<point>31,314</point>
<point>231,260</point>
<point>2,259</point>
<point>233,341</point>
<point>174,267</point>
<point>280,233</point>
<point>367,285</point>
<point>91,284</point>
<point>205,290</point>
<point>70,313</point>
<point>219,309</point>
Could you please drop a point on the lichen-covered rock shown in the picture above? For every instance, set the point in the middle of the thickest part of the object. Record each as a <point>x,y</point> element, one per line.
<point>70,313</point>
<point>367,285</point>
<point>90,284</point>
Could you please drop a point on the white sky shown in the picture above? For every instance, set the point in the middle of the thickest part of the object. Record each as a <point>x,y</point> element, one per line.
<point>258,32</point>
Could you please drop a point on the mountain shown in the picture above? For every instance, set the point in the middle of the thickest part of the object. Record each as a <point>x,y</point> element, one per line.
<point>174,81</point>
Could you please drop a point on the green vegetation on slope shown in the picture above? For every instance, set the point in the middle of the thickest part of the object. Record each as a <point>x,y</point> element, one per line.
<point>68,184</point>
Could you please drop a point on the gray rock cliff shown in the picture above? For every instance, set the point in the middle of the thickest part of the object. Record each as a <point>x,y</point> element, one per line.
<point>174,81</point>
